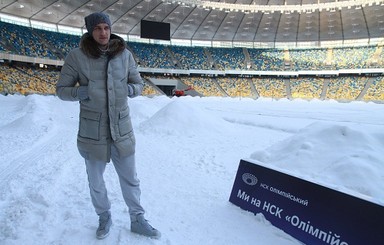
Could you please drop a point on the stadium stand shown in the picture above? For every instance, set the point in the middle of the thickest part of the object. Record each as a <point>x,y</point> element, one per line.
<point>152,55</point>
<point>24,41</point>
<point>313,59</point>
<point>307,88</point>
<point>191,58</point>
<point>271,87</point>
<point>26,78</point>
<point>60,43</point>
<point>267,60</point>
<point>345,88</point>
<point>228,58</point>
<point>376,91</point>
<point>207,86</point>
<point>206,69</point>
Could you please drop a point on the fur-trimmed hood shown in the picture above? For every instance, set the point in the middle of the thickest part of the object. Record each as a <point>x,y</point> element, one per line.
<point>89,46</point>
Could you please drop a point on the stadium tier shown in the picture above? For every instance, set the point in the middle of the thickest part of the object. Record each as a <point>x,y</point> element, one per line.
<point>343,74</point>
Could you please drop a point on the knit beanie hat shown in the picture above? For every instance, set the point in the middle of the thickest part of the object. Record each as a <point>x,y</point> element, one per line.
<point>94,19</point>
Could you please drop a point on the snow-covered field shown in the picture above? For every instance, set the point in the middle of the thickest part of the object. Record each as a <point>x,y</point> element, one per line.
<point>188,150</point>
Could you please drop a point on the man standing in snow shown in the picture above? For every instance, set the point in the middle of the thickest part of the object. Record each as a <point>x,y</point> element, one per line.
<point>102,74</point>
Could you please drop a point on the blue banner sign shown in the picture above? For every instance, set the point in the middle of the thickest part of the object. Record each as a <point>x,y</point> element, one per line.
<point>311,213</point>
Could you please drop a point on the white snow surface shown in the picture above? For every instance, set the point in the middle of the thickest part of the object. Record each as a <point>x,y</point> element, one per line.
<point>188,151</point>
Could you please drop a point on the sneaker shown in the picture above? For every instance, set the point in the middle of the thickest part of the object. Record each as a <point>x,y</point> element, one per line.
<point>141,226</point>
<point>105,222</point>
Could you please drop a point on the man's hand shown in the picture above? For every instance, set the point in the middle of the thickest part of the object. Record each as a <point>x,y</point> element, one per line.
<point>82,92</point>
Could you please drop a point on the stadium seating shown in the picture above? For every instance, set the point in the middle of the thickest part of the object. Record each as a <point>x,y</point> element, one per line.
<point>22,40</point>
<point>152,55</point>
<point>307,87</point>
<point>190,58</point>
<point>28,78</point>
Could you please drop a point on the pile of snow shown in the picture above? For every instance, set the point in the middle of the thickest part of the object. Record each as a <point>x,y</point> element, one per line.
<point>184,118</point>
<point>339,156</point>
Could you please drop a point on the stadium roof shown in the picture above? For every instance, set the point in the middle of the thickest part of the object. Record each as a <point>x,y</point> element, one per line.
<point>267,22</point>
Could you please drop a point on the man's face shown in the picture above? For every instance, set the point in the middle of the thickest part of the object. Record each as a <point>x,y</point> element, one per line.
<point>101,33</point>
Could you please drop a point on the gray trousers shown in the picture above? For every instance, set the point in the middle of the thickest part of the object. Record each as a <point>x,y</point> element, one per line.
<point>130,185</point>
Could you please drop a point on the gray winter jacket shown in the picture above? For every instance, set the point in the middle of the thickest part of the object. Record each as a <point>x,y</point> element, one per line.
<point>104,117</point>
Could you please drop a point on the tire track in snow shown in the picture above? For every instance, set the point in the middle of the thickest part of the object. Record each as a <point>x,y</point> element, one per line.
<point>35,193</point>
<point>45,190</point>
<point>25,159</point>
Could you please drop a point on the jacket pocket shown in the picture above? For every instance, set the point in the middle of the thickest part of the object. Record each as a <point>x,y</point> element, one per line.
<point>125,124</point>
<point>89,124</point>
